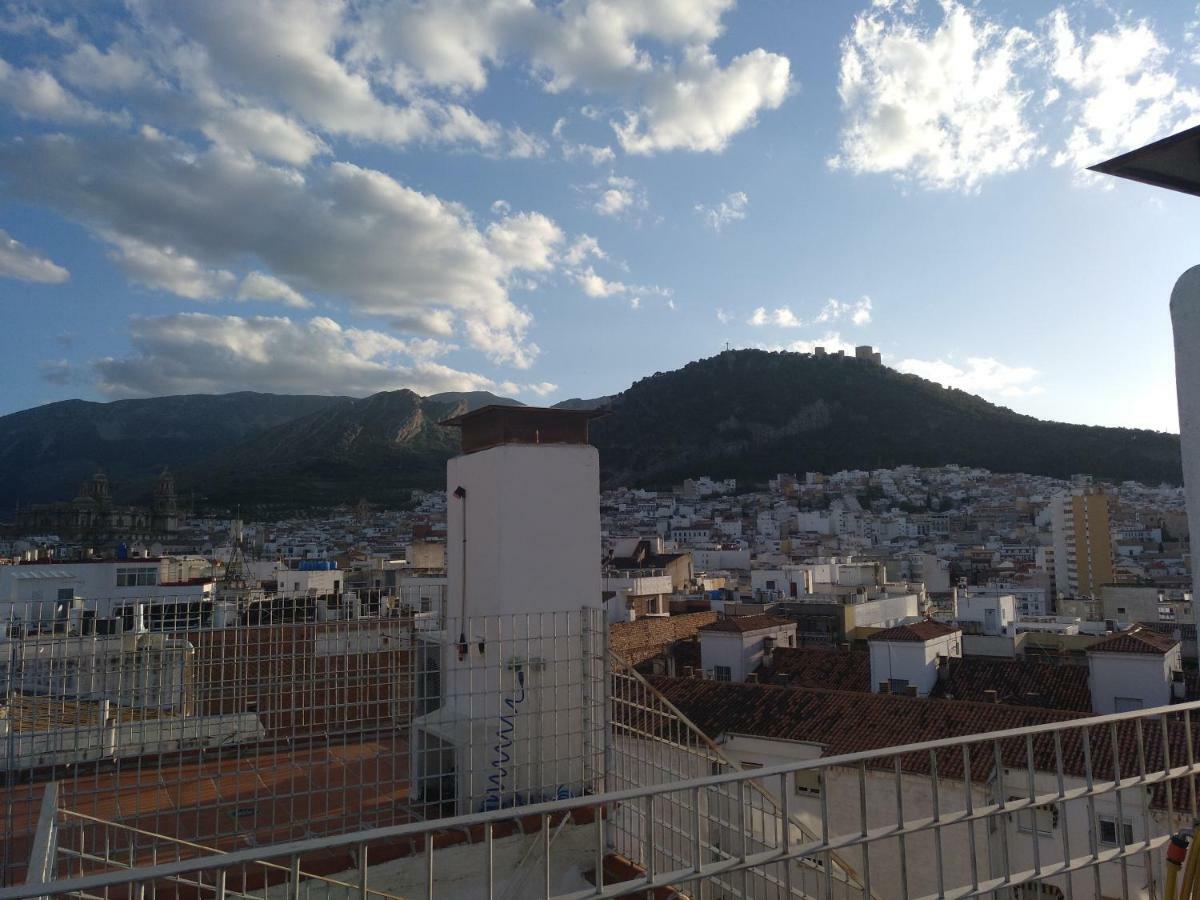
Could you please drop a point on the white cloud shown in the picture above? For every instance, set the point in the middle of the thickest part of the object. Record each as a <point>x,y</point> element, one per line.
<point>944,107</point>
<point>594,154</point>
<point>180,220</point>
<point>542,389</point>
<point>1121,93</point>
<point>595,286</point>
<point>291,56</point>
<point>635,302</point>
<point>701,106</point>
<point>523,145</point>
<point>59,371</point>
<point>676,100</point>
<point>782,317</point>
<point>525,241</point>
<point>583,247</point>
<point>857,311</point>
<point>723,317</point>
<point>197,353</point>
<point>91,69</point>
<point>979,375</point>
<point>731,209</point>
<point>20,262</point>
<point>263,132</point>
<point>618,196</point>
<point>36,94</point>
<point>261,286</point>
<point>165,268</point>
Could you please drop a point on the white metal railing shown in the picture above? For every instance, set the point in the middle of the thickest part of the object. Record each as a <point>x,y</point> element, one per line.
<point>610,791</point>
<point>1006,796</point>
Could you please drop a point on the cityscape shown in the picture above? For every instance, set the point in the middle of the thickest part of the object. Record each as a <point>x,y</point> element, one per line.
<point>596,449</point>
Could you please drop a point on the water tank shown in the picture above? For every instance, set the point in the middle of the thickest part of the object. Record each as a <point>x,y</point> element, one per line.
<point>122,551</point>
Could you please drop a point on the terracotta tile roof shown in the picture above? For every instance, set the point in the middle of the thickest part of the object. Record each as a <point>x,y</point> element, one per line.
<point>1016,682</point>
<point>646,638</point>
<point>819,668</point>
<point>1135,640</point>
<point>915,631</point>
<point>1182,630</point>
<point>848,722</point>
<point>748,623</point>
<point>1020,682</point>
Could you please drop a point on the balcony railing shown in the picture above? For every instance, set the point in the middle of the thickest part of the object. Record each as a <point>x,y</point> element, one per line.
<point>385,790</point>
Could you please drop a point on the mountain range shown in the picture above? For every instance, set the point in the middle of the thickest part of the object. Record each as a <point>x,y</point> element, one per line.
<point>743,413</point>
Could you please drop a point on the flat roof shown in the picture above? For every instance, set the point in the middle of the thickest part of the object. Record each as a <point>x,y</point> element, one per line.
<point>1173,163</point>
<point>517,413</point>
<point>492,426</point>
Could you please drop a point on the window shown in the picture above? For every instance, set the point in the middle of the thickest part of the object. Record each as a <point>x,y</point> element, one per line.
<point>1120,610</point>
<point>1127,704</point>
<point>722,673</point>
<point>807,781</point>
<point>1043,818</point>
<point>898,685</point>
<point>66,593</point>
<point>137,577</point>
<point>1108,832</point>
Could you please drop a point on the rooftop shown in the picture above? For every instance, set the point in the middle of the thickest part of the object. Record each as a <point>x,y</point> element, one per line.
<point>1136,640</point>
<point>918,632</point>
<point>841,721</point>
<point>492,426</point>
<point>1173,163</point>
<point>748,623</point>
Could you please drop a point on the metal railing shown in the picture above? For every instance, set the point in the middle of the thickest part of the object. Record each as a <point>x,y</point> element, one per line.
<point>251,733</point>
<point>1022,806</point>
<point>366,777</point>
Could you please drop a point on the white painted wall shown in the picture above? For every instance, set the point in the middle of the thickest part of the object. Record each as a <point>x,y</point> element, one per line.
<point>741,651</point>
<point>1141,676</point>
<point>533,529</point>
<point>913,661</point>
<point>1185,322</point>
<point>532,551</point>
<point>996,613</point>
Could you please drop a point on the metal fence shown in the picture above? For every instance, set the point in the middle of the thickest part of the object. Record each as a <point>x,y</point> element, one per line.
<point>276,726</point>
<point>394,755</point>
<point>993,814</point>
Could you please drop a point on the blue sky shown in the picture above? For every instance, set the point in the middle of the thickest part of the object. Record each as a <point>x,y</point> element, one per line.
<point>553,200</point>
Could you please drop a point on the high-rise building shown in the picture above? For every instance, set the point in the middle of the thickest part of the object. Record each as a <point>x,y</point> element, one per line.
<point>1083,557</point>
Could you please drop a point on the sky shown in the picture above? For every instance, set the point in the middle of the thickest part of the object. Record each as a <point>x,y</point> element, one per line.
<point>554,199</point>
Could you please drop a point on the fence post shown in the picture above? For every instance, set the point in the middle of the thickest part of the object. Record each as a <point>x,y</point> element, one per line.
<point>45,841</point>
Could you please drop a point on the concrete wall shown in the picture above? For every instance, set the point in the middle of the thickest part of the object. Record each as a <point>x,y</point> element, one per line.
<point>913,661</point>
<point>741,652</point>
<point>1141,676</point>
<point>531,520</point>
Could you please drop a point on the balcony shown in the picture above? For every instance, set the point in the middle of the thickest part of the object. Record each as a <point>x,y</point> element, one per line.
<point>526,761</point>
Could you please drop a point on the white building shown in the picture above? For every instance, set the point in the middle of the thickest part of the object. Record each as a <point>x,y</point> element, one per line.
<point>734,647</point>
<point>905,658</point>
<point>1135,669</point>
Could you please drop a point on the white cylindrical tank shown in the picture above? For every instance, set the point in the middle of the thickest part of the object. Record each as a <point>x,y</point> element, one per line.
<point>1185,322</point>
